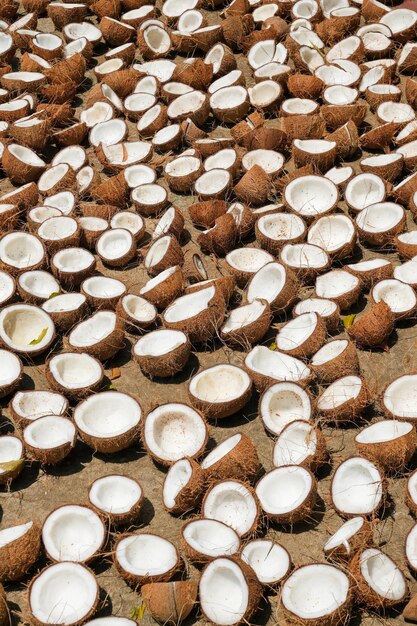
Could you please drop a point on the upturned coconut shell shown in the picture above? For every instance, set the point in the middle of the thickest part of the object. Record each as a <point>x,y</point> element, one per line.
<point>346,138</point>
<point>170,602</point>
<point>189,497</point>
<point>112,191</point>
<point>362,539</point>
<point>344,364</point>
<point>205,213</point>
<point>20,555</point>
<point>303,126</point>
<point>221,238</point>
<point>393,456</point>
<point>254,187</point>
<point>240,463</point>
<point>197,75</point>
<point>34,137</point>
<point>365,594</point>
<point>373,327</point>
<point>305,86</point>
<point>379,137</point>
<point>167,365</point>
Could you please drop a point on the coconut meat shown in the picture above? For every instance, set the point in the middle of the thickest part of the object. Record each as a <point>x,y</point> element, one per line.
<point>50,431</point>
<point>339,392</point>
<point>107,414</point>
<point>221,451</point>
<point>160,342</point>
<point>335,283</point>
<point>281,226</point>
<point>21,324</point>
<point>146,555</point>
<point>114,244</point>
<point>176,479</point>
<point>267,283</point>
<point>380,217</point>
<point>295,444</point>
<point>103,287</point>
<point>382,432</point>
<point>174,431</point>
<point>248,259</point>
<point>224,592</point>
<point>332,232</point>
<point>38,283</point>
<point>276,365</point>
<point>284,489</point>
<point>220,383</point>
<point>322,306</point>
<point>72,533</point>
<point>138,308</point>
<point>21,250</point>
<point>10,368</point>
<point>13,533</point>
<point>400,397</point>
<point>342,536</point>
<point>93,330</point>
<point>269,560</point>
<point>357,487</point>
<point>230,502</point>
<point>190,305</point>
<point>382,574</point>
<point>73,371</point>
<point>211,537</point>
<point>243,316</point>
<point>282,404</point>
<point>297,331</point>
<point>364,190</point>
<point>32,405</point>
<point>72,260</point>
<point>311,195</point>
<point>400,298</point>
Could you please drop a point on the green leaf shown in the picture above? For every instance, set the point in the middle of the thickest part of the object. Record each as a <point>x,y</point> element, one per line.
<point>39,338</point>
<point>348,320</point>
<point>54,294</point>
<point>12,466</point>
<point>111,386</point>
<point>317,49</point>
<point>273,346</point>
<point>138,612</point>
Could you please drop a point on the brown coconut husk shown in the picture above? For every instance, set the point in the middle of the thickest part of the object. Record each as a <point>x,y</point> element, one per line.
<point>393,456</point>
<point>193,268</point>
<point>64,320</point>
<point>349,410</point>
<point>116,33</point>
<point>344,364</point>
<point>303,126</point>
<point>221,238</point>
<point>373,327</point>
<point>29,64</point>
<point>406,250</point>
<point>372,276</point>
<point>254,186</point>
<point>225,284</point>
<point>265,138</point>
<point>375,99</point>
<point>189,497</point>
<point>240,463</point>
<point>305,86</point>
<point>362,539</point>
<point>9,9</point>
<point>251,333</point>
<point>50,456</point>
<point>92,209</point>
<point>322,161</point>
<point>170,602</point>
<point>365,594</point>
<point>12,116</point>
<point>59,114</point>
<point>112,191</point>
<point>346,138</point>
<point>72,135</point>
<point>379,138</point>
<point>9,218</point>
<point>173,256</point>
<point>59,93</point>
<point>197,75</point>
<point>253,121</point>
<point>236,28</point>
<point>25,197</point>
<point>104,349</point>
<point>63,16</point>
<point>337,115</point>
<point>191,132</point>
<point>166,365</point>
<point>109,8</point>
<point>389,171</point>
<point>166,291</point>
<point>34,137</point>
<point>312,344</point>
<point>205,213</point>
<point>19,556</point>
<point>19,172</point>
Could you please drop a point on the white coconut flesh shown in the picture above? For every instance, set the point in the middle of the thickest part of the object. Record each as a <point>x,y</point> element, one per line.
<point>183,166</point>
<point>335,283</point>
<point>57,228</point>
<point>72,533</point>
<point>164,223</point>
<point>408,237</point>
<point>21,250</point>
<point>272,71</point>
<point>230,502</point>
<point>265,52</point>
<point>148,85</point>
<point>14,105</point>
<point>63,200</point>
<point>186,104</point>
<point>322,306</point>
<point>329,352</point>
<point>340,392</point>
<point>103,287</point>
<point>93,224</point>
<point>224,159</point>
<point>304,256</point>
<point>165,135</point>
<point>108,133</point>
<point>224,592</point>
<point>127,153</point>
<point>281,226</point>
<point>31,405</point>
<point>74,156</point>
<point>11,534</point>
<point>382,574</point>
<point>315,591</point>
<point>42,213</point>
<point>340,175</point>
<point>178,476</point>
<point>380,217</point>
<point>213,182</point>
<point>111,65</point>
<point>382,160</point>
<point>138,308</point>
<point>7,287</point>
<point>406,272</point>
<point>75,371</point>
<point>397,112</point>
<point>115,494</point>
<point>269,160</point>
<point>284,489</point>
<point>73,260</point>
<point>220,383</point>
<point>83,29</point>
<point>139,174</point>
<point>225,81</point>
<point>113,244</point>
<point>190,305</point>
<point>400,397</point>
<point>211,538</point>
<point>174,431</point>
<point>265,93</point>
<point>107,414</point>
<point>357,487</point>
<point>49,432</point>
<point>157,280</point>
<point>331,232</point>
<point>159,342</point>
<point>96,114</point>
<point>283,403</point>
<point>382,432</point>
<point>25,155</point>
<point>190,21</point>
<point>146,555</point>
<point>314,146</point>
<point>10,368</point>
<point>269,560</point>
<point>343,49</point>
<point>299,106</point>
<point>139,102</point>
<point>157,251</point>
<point>228,98</point>
<point>93,330</point>
<point>267,283</point>
<point>295,444</point>
<point>366,266</point>
<point>342,536</point>
<point>162,69</point>
<point>411,547</point>
<point>111,621</point>
<point>400,297</point>
<point>11,449</point>
<point>38,283</point>
<point>262,13</point>
<point>26,328</point>
<point>364,190</point>
<point>74,47</point>
<point>341,72</point>
<point>297,331</point>
<point>311,195</point>
<point>276,365</point>
<point>63,593</point>
<point>221,451</point>
<point>243,316</point>
<point>248,259</point>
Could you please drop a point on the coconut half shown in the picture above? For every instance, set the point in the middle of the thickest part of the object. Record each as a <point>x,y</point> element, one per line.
<point>270,561</point>
<point>118,497</point>
<point>100,335</point>
<point>220,390</point>
<point>287,494</point>
<point>355,533</point>
<point>267,366</point>
<point>234,503</point>
<point>162,352</point>
<point>49,439</point>
<point>300,443</point>
<point>27,406</point>
<point>207,539</point>
<point>74,375</point>
<point>379,579</point>
<point>26,329</point>
<point>390,444</point>
<point>183,486</point>
<point>311,196</point>
<point>11,369</point>
<point>143,558</point>
<point>357,487</point>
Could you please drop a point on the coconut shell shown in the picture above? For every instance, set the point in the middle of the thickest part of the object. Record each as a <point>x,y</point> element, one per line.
<point>252,492</point>
<point>225,284</point>
<point>166,291</point>
<point>379,138</point>
<point>9,218</point>
<point>71,393</point>
<point>25,197</point>
<point>189,497</point>
<point>240,463</point>
<point>349,410</point>
<point>112,191</point>
<point>321,161</point>
<point>393,456</point>
<point>305,85</point>
<point>365,594</point>
<point>65,320</point>
<point>220,409</point>
<point>63,16</point>
<point>205,213</point>
<point>344,364</point>
<point>121,519</point>
<point>50,456</point>
<point>59,114</point>
<point>111,445</point>
<point>170,602</point>
<point>265,138</point>
<point>346,138</point>
<point>406,250</point>
<point>173,256</point>
<point>362,539</point>
<point>19,556</point>
<point>197,75</point>
<point>166,365</point>
<point>253,121</point>
<point>303,126</point>
<point>221,238</point>
<point>109,8</point>
<point>373,328</point>
<point>254,187</point>
<point>312,344</point>
<point>236,28</point>
<point>72,135</point>
<point>252,333</point>
<point>19,172</point>
<point>302,512</point>
<point>389,171</point>
<point>106,348</point>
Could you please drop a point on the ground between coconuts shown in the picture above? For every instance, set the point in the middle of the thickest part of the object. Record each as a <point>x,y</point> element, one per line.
<point>37,493</point>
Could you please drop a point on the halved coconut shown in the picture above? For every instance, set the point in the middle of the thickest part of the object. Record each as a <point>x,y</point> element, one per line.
<point>400,297</point>
<point>75,31</point>
<point>173,431</point>
<point>270,561</point>
<point>109,421</point>
<point>103,291</point>
<point>11,369</point>
<point>266,367</point>
<point>339,286</point>
<point>74,375</point>
<point>265,52</point>
<point>21,164</point>
<point>101,335</point>
<point>139,174</point>
<point>302,336</point>
<point>398,398</point>
<point>207,539</point>
<point>220,390</point>
<point>165,252</point>
<point>344,400</point>
<point>340,175</point>
<point>98,112</point>
<point>276,284</point>
<point>299,443</point>
<point>327,309</point>
<point>336,234</point>
<point>287,494</point>
<point>389,443</point>
<point>194,105</point>
<point>27,406</point>
<point>406,244</point>
<point>380,222</point>
<point>247,324</point>
<point>230,104</point>
<point>380,582</point>
<point>283,403</point>
<point>245,262</point>
<point>275,230</point>
<point>234,503</point>
<point>108,133</point>
<point>355,534</point>
<point>146,557</point>
<point>73,533</point>
<point>26,329</point>
<point>371,271</point>
<point>229,592</point>
<point>36,286</point>
<point>357,487</point>
<point>116,247</point>
<point>172,221</point>
<point>363,190</point>
<point>72,265</point>
<point>235,457</point>
<point>311,196</point>
<point>49,439</point>
<point>7,288</point>
<point>11,458</point>
<point>318,593</point>
<point>118,497</point>
<point>183,486</point>
<point>182,172</point>
<point>306,260</point>
<point>59,232</point>
<point>136,312</point>
<point>334,360</point>
<point>162,352</point>
<point>19,550</point>
<point>113,620</point>
<point>66,593</point>
<point>20,251</point>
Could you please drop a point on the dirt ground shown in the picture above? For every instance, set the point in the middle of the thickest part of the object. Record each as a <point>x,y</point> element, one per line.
<point>38,491</point>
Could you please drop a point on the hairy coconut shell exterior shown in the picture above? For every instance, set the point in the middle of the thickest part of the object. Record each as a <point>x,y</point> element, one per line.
<point>173,256</point>
<point>34,137</point>
<point>344,364</point>
<point>254,186</point>
<point>106,348</point>
<point>166,291</point>
<point>71,135</point>
<point>405,249</point>
<point>170,602</point>
<point>350,409</point>
<point>197,75</point>
<point>205,213</point>
<point>19,172</point>
<point>25,197</point>
<point>4,610</point>
<point>321,161</point>
<point>221,238</point>
<point>303,126</point>
<point>373,328</point>
<point>112,191</point>
<point>240,463</point>
<point>251,333</point>
<point>119,519</point>
<point>312,344</point>
<point>365,594</point>
<point>189,497</point>
<point>167,365</point>
<point>346,138</point>
<point>362,539</point>
<point>64,320</point>
<point>393,456</point>
<point>305,86</point>
<point>20,555</point>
